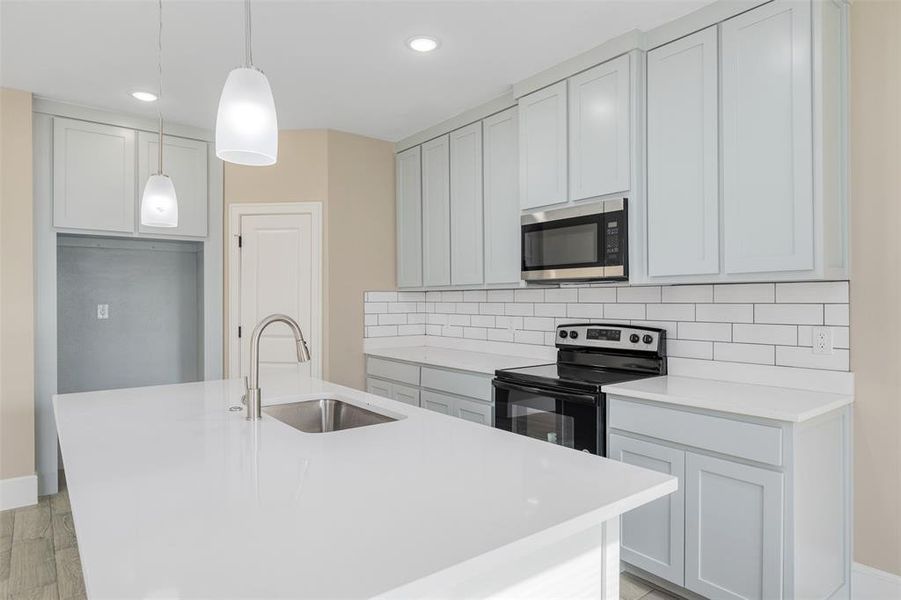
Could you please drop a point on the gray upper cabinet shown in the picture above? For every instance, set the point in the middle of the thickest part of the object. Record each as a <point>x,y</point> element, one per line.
<point>466,205</point>
<point>93,176</point>
<point>542,147</point>
<point>501,185</point>
<point>599,149</point>
<point>409,218</point>
<point>185,161</point>
<point>767,139</point>
<point>652,536</point>
<point>683,157</point>
<point>436,212</point>
<point>733,525</point>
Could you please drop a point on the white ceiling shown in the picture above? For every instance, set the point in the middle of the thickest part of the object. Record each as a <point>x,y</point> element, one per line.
<point>332,64</point>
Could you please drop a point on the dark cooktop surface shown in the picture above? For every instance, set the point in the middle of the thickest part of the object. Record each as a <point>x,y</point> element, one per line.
<point>571,377</point>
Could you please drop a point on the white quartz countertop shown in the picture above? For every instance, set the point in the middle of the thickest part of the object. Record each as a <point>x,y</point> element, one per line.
<point>453,358</point>
<point>767,402</point>
<point>174,496</point>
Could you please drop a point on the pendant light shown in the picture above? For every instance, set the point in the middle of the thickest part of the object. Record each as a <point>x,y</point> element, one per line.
<point>246,124</point>
<point>159,204</point>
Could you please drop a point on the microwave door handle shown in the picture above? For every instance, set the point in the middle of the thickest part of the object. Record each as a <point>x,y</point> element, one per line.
<point>580,398</point>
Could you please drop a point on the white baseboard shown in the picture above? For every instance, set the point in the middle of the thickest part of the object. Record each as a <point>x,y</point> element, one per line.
<point>18,491</point>
<point>868,583</point>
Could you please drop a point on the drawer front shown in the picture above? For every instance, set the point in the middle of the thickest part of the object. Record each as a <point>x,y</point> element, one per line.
<point>406,394</point>
<point>752,441</point>
<point>462,384</point>
<point>389,369</point>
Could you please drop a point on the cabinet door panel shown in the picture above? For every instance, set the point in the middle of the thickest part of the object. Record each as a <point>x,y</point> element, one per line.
<point>477,412</point>
<point>407,395</point>
<point>437,402</point>
<point>436,212</point>
<point>185,161</point>
<point>501,172</point>
<point>379,387</point>
<point>599,130</point>
<point>466,205</point>
<point>767,139</point>
<point>409,218</point>
<point>93,176</point>
<point>652,536</point>
<point>683,157</point>
<point>733,525</point>
<point>542,147</point>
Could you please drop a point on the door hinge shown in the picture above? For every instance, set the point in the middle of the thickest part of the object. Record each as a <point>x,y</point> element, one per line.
<point>240,242</point>
<point>239,331</point>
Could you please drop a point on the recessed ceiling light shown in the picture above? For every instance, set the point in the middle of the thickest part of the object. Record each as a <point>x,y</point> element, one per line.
<point>144,96</point>
<point>422,43</point>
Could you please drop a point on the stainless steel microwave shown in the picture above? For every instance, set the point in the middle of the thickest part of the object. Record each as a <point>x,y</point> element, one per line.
<point>589,241</point>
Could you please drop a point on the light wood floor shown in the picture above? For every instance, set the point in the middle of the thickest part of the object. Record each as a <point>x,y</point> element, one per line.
<point>39,556</point>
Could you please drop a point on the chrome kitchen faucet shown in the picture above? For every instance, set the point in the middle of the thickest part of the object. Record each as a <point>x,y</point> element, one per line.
<point>252,391</point>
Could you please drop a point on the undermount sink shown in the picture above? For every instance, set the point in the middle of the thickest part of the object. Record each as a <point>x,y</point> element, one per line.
<point>325,414</point>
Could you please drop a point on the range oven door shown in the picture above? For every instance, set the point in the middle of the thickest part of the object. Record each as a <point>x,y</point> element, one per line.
<point>565,418</point>
<point>581,242</point>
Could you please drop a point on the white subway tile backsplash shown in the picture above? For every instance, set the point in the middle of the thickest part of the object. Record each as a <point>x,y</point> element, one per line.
<point>638,294</point>
<point>761,354</point>
<point>715,332</point>
<point>624,311</point>
<point>561,295</point>
<point>777,335</point>
<point>725,313</point>
<point>671,312</point>
<point>597,294</point>
<point>816,292</point>
<point>745,293</point>
<point>687,293</point>
<point>585,311</point>
<point>759,323</point>
<point>800,356</point>
<point>799,314</point>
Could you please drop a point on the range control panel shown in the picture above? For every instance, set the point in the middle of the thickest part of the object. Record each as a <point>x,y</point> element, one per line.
<point>616,337</point>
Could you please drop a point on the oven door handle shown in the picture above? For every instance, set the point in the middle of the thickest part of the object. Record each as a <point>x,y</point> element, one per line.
<point>579,398</point>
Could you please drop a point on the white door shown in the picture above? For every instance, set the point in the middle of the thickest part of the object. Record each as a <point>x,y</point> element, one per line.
<point>477,412</point>
<point>733,530</point>
<point>599,130</point>
<point>466,205</point>
<point>437,402</point>
<point>409,218</point>
<point>501,172</point>
<point>404,393</point>
<point>542,147</point>
<point>279,272</point>
<point>185,161</point>
<point>767,139</point>
<point>652,536</point>
<point>436,212</point>
<point>93,176</point>
<point>683,157</point>
<point>379,387</point>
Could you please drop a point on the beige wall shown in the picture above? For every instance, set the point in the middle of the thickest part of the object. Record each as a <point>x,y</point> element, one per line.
<point>353,177</point>
<point>16,287</point>
<point>876,279</point>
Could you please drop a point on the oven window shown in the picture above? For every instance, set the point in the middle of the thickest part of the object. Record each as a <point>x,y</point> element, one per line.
<point>543,417</point>
<point>543,425</point>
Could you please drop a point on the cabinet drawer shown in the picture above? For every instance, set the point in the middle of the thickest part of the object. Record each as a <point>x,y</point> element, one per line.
<point>463,384</point>
<point>761,443</point>
<point>389,369</point>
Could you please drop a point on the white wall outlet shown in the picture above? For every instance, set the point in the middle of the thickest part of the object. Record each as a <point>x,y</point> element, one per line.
<point>822,340</point>
<point>103,311</point>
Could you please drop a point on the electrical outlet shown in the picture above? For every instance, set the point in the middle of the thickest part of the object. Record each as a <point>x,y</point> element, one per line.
<point>103,311</point>
<point>822,340</point>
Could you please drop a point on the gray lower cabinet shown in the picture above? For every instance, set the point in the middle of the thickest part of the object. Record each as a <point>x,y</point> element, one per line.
<point>393,390</point>
<point>651,536</point>
<point>733,524</point>
<point>436,402</point>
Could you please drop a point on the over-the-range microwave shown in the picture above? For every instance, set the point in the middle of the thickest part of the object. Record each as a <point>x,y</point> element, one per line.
<point>588,241</point>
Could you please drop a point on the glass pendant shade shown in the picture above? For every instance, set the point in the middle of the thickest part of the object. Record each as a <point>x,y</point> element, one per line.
<point>246,124</point>
<point>159,204</point>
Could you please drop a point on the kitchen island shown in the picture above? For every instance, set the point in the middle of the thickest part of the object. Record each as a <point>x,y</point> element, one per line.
<point>175,496</point>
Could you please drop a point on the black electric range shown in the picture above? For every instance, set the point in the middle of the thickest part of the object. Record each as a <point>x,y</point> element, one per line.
<point>562,403</point>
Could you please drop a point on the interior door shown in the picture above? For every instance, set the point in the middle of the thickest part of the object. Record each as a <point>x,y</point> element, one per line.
<point>278,276</point>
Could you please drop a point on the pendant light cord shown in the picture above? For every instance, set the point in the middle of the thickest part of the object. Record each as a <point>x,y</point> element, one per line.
<point>248,41</point>
<point>159,109</point>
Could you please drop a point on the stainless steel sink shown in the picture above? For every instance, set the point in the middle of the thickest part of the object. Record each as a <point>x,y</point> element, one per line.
<point>326,414</point>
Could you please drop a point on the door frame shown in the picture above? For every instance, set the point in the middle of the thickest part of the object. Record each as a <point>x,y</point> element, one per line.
<point>235,213</point>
